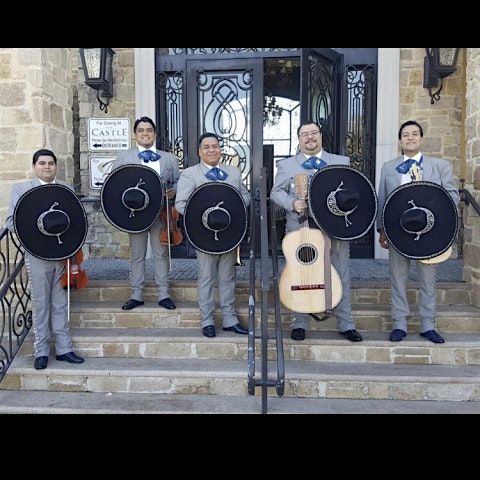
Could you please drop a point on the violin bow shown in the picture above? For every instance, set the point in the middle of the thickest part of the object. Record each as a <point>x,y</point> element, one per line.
<point>68,289</point>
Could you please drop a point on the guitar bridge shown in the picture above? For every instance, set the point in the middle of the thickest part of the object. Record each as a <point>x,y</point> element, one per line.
<point>302,288</point>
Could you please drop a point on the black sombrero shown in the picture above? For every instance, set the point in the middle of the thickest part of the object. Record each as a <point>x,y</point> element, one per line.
<point>132,198</point>
<point>50,222</point>
<point>420,220</point>
<point>343,202</point>
<point>215,218</point>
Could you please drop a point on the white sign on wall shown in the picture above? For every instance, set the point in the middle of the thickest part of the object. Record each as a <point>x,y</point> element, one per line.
<point>100,167</point>
<point>108,134</point>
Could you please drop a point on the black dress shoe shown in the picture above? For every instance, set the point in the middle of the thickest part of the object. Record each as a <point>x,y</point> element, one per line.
<point>352,335</point>
<point>209,331</point>
<point>131,304</point>
<point>397,335</point>
<point>298,334</point>
<point>236,329</point>
<point>167,303</point>
<point>41,363</point>
<point>433,336</point>
<point>70,357</point>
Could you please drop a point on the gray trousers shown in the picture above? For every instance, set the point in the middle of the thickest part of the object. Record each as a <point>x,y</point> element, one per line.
<point>138,246</point>
<point>399,267</point>
<point>210,269</point>
<point>340,257</point>
<point>49,305</point>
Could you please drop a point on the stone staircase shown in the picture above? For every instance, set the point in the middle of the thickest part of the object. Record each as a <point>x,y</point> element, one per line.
<point>155,361</point>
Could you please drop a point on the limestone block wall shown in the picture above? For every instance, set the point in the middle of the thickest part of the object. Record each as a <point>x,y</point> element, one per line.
<point>472,220</point>
<point>36,91</point>
<point>103,240</point>
<point>442,121</point>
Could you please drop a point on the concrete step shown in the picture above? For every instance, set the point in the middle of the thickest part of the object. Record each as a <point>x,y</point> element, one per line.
<point>368,317</point>
<point>362,292</point>
<point>130,403</point>
<point>459,349</point>
<point>228,377</point>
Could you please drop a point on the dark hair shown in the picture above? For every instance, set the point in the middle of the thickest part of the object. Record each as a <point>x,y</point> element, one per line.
<point>144,120</point>
<point>408,124</point>
<point>43,153</point>
<point>207,135</point>
<point>309,122</point>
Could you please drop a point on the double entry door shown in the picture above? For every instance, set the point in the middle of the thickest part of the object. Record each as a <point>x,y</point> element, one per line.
<point>253,104</point>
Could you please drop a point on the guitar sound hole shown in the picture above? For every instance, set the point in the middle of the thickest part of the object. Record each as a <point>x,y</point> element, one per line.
<point>307,254</point>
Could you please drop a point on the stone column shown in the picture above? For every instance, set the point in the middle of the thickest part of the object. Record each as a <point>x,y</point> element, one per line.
<point>472,219</point>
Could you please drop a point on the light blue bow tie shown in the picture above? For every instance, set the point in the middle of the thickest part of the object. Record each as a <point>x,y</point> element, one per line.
<point>149,156</point>
<point>314,163</point>
<point>216,174</point>
<point>405,167</point>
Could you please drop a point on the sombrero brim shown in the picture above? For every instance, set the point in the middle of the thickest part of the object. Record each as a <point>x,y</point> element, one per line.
<point>39,200</point>
<point>328,180</point>
<point>425,195</point>
<point>208,196</point>
<point>121,179</point>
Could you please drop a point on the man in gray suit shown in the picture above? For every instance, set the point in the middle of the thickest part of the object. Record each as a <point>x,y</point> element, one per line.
<point>166,165</point>
<point>210,266</point>
<point>311,159</point>
<point>49,299</point>
<point>395,173</point>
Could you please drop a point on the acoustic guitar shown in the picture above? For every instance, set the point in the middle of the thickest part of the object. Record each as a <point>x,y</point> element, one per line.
<point>309,283</point>
<point>416,176</point>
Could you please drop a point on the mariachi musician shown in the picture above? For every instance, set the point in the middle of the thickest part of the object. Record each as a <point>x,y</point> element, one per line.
<point>353,211</point>
<point>166,166</point>
<point>51,225</point>
<point>412,220</point>
<point>213,200</point>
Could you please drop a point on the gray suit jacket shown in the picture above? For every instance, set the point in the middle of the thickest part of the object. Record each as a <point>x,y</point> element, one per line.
<point>18,189</point>
<point>169,171</point>
<point>435,170</point>
<point>194,177</point>
<point>283,191</point>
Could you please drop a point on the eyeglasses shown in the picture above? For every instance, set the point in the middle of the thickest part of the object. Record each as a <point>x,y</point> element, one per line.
<point>308,134</point>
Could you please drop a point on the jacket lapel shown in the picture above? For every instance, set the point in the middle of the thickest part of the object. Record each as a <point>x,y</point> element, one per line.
<point>427,169</point>
<point>398,175</point>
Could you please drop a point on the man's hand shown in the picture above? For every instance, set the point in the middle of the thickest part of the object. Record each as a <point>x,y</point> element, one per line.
<point>299,206</point>
<point>170,193</point>
<point>383,240</point>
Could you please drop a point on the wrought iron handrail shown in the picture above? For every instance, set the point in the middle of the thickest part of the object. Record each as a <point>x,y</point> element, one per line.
<point>276,300</point>
<point>259,212</point>
<point>16,318</point>
<point>469,200</point>
<point>254,214</point>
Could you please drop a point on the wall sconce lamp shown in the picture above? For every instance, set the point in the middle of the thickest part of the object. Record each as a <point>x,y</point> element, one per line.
<point>438,64</point>
<point>97,68</point>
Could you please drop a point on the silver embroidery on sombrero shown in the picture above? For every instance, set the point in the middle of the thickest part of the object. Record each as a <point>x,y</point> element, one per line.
<point>430,220</point>
<point>41,225</point>
<point>146,198</point>
<point>333,207</point>
<point>210,210</point>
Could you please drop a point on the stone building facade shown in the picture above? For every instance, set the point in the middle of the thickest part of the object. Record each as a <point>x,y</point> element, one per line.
<point>44,103</point>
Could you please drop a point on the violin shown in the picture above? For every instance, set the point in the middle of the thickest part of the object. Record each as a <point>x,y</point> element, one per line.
<point>171,233</point>
<point>170,219</point>
<point>78,276</point>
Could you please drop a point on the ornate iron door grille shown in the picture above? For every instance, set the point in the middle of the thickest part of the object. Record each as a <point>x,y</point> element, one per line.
<point>338,88</point>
